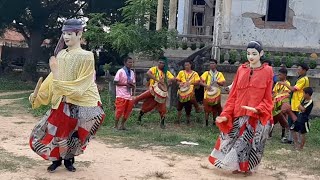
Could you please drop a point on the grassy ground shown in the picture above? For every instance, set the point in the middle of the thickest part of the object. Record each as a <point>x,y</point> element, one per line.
<point>11,83</point>
<point>150,135</point>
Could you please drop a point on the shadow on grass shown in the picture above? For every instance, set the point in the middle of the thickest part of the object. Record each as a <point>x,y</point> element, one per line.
<point>12,163</point>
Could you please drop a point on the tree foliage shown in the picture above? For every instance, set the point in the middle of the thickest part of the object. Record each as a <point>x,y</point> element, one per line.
<point>95,33</point>
<point>37,20</point>
<point>131,35</point>
<point>137,11</point>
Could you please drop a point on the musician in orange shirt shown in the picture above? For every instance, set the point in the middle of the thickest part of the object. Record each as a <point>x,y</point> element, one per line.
<point>156,95</point>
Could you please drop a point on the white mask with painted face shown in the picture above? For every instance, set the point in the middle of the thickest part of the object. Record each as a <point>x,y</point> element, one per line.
<point>72,39</point>
<point>254,57</point>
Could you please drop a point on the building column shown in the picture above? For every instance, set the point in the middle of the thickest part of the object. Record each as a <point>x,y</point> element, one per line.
<point>184,14</point>
<point>159,15</point>
<point>217,30</point>
<point>187,16</point>
<point>172,14</point>
<point>180,16</point>
<point>227,6</point>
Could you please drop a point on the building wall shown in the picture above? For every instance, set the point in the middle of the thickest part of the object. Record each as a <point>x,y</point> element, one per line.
<point>208,20</point>
<point>185,14</point>
<point>304,32</point>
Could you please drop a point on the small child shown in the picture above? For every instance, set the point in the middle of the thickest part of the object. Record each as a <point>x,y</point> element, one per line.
<point>301,126</point>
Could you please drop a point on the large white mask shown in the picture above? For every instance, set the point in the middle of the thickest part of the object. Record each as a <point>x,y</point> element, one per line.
<point>254,57</point>
<point>72,39</point>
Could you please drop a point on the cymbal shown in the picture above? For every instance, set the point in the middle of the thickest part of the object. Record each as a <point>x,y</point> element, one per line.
<point>36,89</point>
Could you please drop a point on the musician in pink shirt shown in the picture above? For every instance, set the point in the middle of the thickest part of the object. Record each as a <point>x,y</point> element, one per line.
<point>125,84</point>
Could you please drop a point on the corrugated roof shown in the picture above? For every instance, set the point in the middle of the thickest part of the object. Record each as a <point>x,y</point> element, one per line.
<point>12,38</point>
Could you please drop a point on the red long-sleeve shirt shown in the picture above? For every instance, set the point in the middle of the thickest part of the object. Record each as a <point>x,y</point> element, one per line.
<point>253,90</point>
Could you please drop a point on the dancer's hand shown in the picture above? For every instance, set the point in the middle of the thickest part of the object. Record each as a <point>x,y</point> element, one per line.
<point>220,119</point>
<point>250,109</point>
<point>54,66</point>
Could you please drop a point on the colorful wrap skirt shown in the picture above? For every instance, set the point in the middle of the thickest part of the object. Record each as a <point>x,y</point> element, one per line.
<point>65,132</point>
<point>242,148</point>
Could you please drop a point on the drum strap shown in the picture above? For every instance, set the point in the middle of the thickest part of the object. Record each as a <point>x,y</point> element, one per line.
<point>128,73</point>
<point>185,75</point>
<point>212,78</point>
<point>158,75</point>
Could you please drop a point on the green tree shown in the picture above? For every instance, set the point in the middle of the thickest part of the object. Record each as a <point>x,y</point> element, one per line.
<point>130,35</point>
<point>96,37</point>
<point>36,20</point>
<point>96,28</point>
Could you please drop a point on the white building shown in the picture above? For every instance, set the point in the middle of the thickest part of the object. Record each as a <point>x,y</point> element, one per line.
<point>281,25</point>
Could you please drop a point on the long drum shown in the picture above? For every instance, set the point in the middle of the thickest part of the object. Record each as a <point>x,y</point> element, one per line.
<point>185,93</point>
<point>160,92</point>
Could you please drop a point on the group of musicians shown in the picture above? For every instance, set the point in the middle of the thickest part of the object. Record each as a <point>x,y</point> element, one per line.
<point>156,94</point>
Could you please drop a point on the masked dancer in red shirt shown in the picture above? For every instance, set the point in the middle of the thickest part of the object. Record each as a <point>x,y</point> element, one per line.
<point>245,121</point>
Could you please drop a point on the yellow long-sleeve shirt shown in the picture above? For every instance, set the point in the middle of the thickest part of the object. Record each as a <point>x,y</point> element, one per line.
<point>75,81</point>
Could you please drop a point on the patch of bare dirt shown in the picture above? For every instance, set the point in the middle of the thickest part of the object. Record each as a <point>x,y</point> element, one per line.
<point>4,102</point>
<point>15,92</point>
<point>106,161</point>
